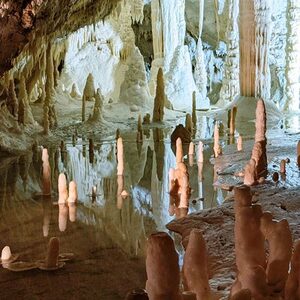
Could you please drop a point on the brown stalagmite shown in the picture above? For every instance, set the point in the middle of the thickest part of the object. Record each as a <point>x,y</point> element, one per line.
<point>159,101</point>
<point>189,123</point>
<point>194,114</point>
<point>13,100</point>
<point>89,89</point>
<point>250,173</point>
<point>162,268</point>
<point>52,253</point>
<point>251,263</point>
<point>279,237</point>
<point>283,166</point>
<point>292,287</point>
<point>179,151</point>
<point>195,269</point>
<point>62,189</point>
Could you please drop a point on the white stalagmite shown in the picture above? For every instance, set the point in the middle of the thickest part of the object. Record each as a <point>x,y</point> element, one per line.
<point>231,85</point>
<point>89,89</point>
<point>293,55</point>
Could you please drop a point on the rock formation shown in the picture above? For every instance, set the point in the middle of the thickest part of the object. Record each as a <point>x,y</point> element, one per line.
<point>162,268</point>
<point>195,269</point>
<point>120,156</point>
<point>89,89</point>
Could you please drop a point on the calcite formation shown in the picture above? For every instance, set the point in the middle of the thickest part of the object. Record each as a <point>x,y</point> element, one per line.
<point>52,253</point>
<point>159,101</point>
<point>195,269</point>
<point>162,268</point>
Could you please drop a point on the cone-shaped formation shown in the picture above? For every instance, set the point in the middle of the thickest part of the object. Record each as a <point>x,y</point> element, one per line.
<point>279,237</point>
<point>195,271</point>
<point>240,143</point>
<point>52,253</point>
<point>179,151</point>
<point>97,112</point>
<point>89,89</point>
<point>162,268</point>
<point>259,153</point>
<point>73,194</point>
<point>120,157</point>
<point>62,189</point>
<point>5,254</point>
<point>189,123</point>
<point>292,288</point>
<point>250,173</point>
<point>159,101</point>
<point>251,262</point>
<point>74,91</point>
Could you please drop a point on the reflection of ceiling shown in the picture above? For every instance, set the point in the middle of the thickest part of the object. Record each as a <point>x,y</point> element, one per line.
<point>21,20</point>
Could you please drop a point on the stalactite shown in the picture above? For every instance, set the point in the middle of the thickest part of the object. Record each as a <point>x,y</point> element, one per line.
<point>159,101</point>
<point>293,55</point>
<point>231,85</point>
<point>24,106</point>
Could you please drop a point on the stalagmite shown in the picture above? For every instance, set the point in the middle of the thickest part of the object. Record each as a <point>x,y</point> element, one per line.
<point>259,152</point>
<point>240,143</point>
<point>251,263</point>
<point>189,123</point>
<point>46,173</point>
<point>13,100</point>
<point>89,89</point>
<point>91,151</point>
<point>292,287</point>
<point>74,91</point>
<point>283,166</point>
<point>200,152</point>
<point>179,151</point>
<point>73,194</point>
<point>159,101</point>
<point>279,237</point>
<point>191,148</point>
<point>52,253</point>
<point>120,157</point>
<point>62,189</point>
<point>195,269</point>
<point>217,148</point>
<point>250,173</point>
<point>162,268</point>
<point>97,112</point>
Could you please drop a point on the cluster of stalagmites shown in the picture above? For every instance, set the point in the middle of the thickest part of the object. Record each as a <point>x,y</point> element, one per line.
<point>263,248</point>
<point>257,167</point>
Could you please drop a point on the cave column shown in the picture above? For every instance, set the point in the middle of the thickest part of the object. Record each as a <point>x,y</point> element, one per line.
<point>255,30</point>
<point>293,55</point>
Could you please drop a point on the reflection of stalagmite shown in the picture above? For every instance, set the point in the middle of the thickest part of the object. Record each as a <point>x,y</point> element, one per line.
<point>298,154</point>
<point>46,212</point>
<point>283,166</point>
<point>191,154</point>
<point>194,114</point>
<point>251,263</point>
<point>189,123</point>
<point>195,269</point>
<point>46,173</point>
<point>159,101</point>
<point>162,268</point>
<point>62,189</point>
<point>279,237</point>
<point>62,216</point>
<point>139,137</point>
<point>83,108</point>
<point>120,182</point>
<point>91,151</point>
<point>46,122</point>
<point>159,148</point>
<point>232,120</point>
<point>179,151</point>
<point>97,112</point>
<point>120,157</point>
<point>292,287</point>
<point>72,211</point>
